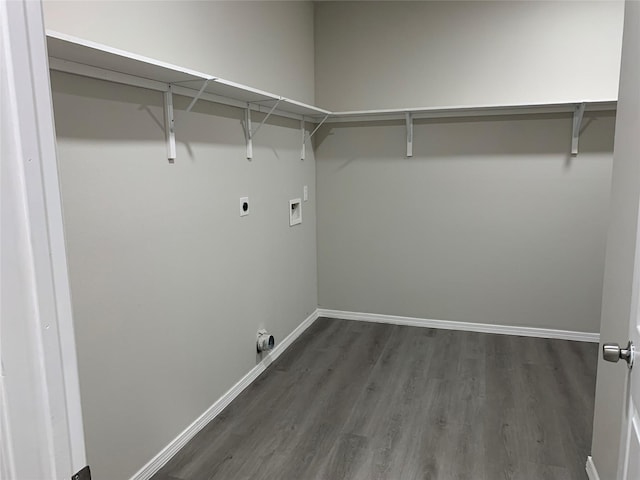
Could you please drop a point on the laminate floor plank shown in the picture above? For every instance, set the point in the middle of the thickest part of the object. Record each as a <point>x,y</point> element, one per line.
<point>397,379</point>
<point>331,404</point>
<point>364,401</point>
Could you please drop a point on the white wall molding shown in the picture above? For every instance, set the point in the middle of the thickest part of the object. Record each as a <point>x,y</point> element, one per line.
<point>467,326</point>
<point>592,473</point>
<point>157,462</point>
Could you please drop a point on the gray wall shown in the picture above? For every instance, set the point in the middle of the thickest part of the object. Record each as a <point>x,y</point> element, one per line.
<point>419,54</point>
<point>169,284</point>
<point>266,45</point>
<point>490,221</point>
<point>617,306</point>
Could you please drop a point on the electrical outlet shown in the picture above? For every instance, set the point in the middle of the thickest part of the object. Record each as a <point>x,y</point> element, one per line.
<point>305,194</point>
<point>244,206</point>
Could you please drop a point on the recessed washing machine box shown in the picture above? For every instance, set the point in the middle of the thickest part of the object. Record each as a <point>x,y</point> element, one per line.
<point>295,212</point>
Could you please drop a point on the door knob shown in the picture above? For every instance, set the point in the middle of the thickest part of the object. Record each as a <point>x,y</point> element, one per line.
<point>612,352</point>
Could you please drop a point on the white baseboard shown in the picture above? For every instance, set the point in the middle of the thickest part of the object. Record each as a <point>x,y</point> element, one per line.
<point>592,473</point>
<point>157,462</point>
<point>468,326</point>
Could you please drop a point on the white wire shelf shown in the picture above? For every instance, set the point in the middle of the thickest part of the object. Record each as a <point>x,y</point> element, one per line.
<point>83,57</point>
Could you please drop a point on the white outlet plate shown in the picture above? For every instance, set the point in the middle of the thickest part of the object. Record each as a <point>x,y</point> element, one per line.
<point>305,194</point>
<point>295,212</point>
<point>244,206</point>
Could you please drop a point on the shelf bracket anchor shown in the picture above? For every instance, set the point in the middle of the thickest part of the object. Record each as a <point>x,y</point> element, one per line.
<point>303,152</point>
<point>577,122</point>
<point>169,125</point>
<point>198,95</point>
<point>248,134</point>
<point>409,121</point>
<point>253,134</point>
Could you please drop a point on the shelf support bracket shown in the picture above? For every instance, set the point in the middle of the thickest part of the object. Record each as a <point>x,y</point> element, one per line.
<point>198,95</point>
<point>409,121</point>
<point>253,134</point>
<point>169,125</point>
<point>577,122</point>
<point>318,126</point>
<point>248,134</point>
<point>303,152</point>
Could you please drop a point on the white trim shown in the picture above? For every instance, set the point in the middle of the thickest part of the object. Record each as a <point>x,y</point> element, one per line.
<point>590,467</point>
<point>42,419</point>
<point>467,326</point>
<point>157,462</point>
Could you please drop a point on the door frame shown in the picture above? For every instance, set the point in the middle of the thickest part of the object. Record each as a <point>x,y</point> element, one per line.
<point>34,210</point>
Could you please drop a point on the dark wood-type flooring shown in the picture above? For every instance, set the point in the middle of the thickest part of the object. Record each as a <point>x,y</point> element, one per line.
<point>356,400</point>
